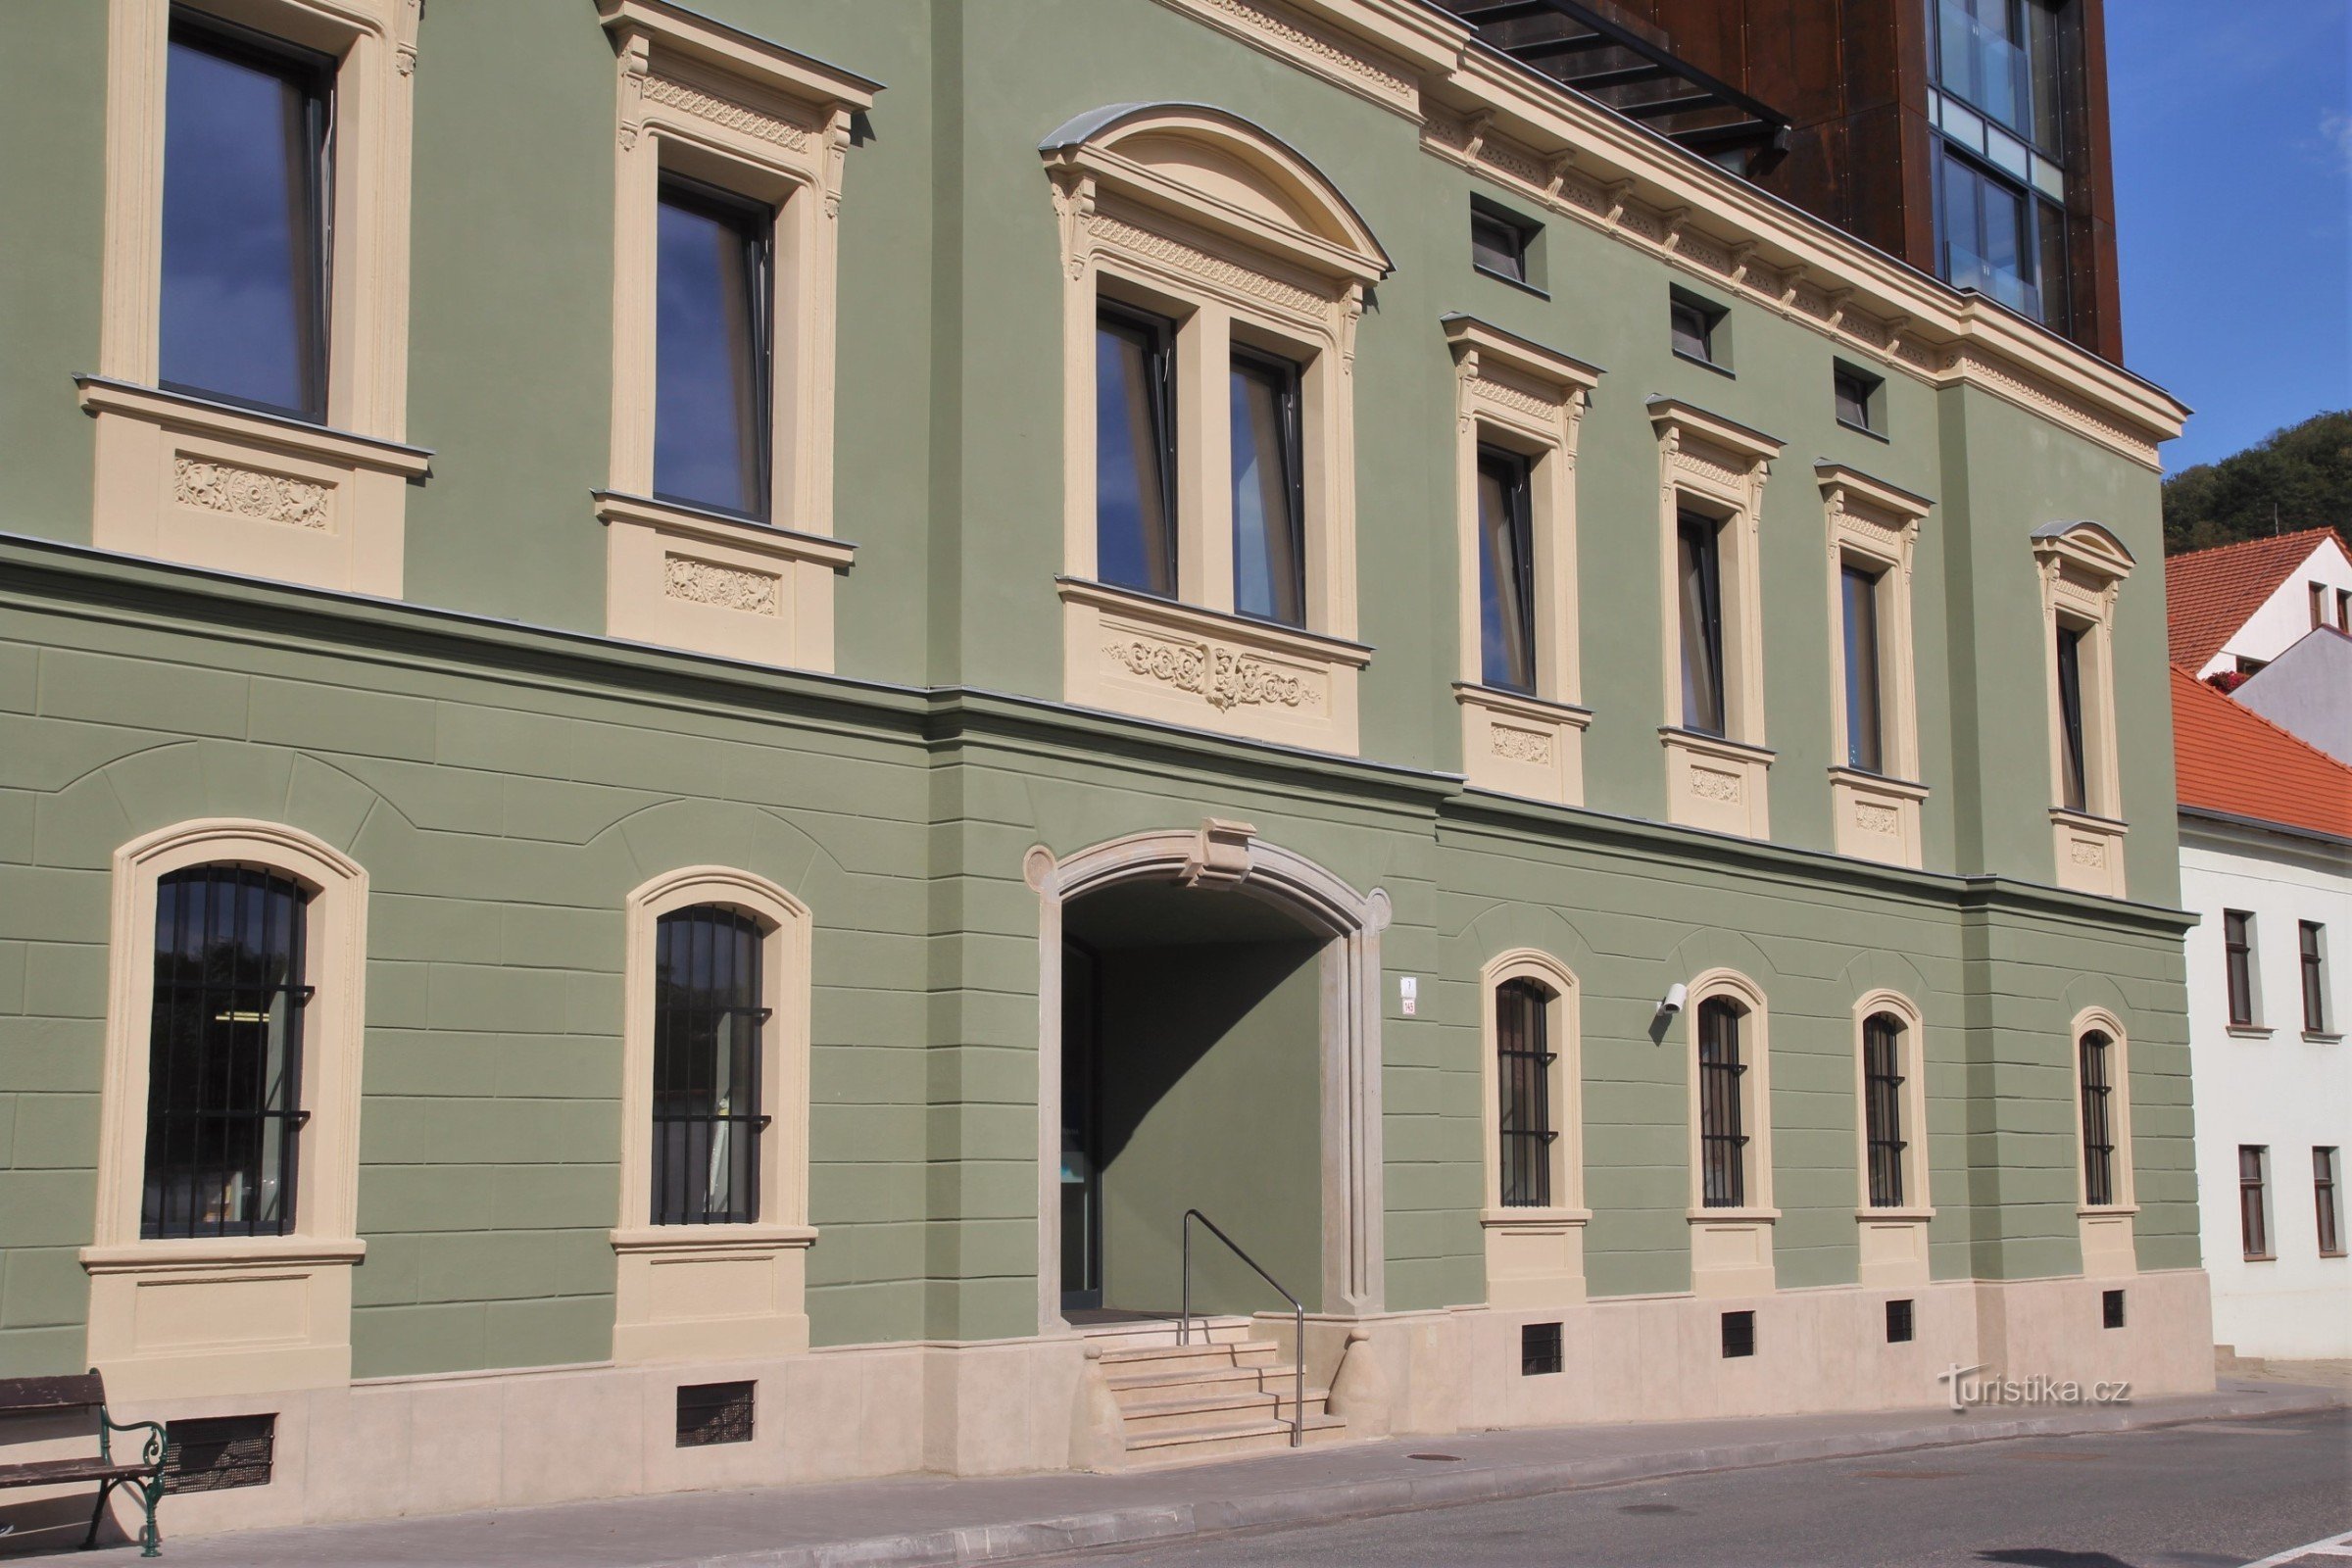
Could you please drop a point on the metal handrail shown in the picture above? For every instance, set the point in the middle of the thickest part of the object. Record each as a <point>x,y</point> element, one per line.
<point>1184,1324</point>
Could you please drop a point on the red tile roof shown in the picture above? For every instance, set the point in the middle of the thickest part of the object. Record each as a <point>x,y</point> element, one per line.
<point>2232,760</point>
<point>2209,594</point>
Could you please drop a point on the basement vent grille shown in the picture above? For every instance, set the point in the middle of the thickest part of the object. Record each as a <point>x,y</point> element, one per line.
<point>213,1454</point>
<point>1738,1334</point>
<point>1898,1322</point>
<point>2111,1308</point>
<point>715,1412</point>
<point>1539,1349</point>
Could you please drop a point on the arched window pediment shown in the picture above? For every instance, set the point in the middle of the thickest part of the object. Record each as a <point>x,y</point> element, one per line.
<point>1216,169</point>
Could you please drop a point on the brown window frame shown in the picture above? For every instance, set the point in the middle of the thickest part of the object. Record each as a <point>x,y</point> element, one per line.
<point>2254,1203</point>
<point>2238,965</point>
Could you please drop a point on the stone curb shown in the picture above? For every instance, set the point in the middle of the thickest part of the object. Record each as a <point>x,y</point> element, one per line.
<point>1330,1503</point>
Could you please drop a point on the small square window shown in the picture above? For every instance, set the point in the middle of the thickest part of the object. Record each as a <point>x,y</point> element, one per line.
<point>2111,1310</point>
<point>715,1412</point>
<point>1738,1334</point>
<point>1857,393</point>
<point>1699,329</point>
<point>214,1453</point>
<point>1539,1349</point>
<point>1898,1322</point>
<point>1496,243</point>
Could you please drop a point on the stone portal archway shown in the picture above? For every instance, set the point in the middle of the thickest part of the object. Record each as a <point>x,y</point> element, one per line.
<point>1229,857</point>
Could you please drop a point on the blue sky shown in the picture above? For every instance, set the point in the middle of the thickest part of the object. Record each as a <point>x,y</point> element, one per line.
<point>2233,208</point>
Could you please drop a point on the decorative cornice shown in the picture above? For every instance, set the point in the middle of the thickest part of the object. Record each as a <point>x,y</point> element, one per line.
<point>1168,251</point>
<point>1367,72</point>
<point>728,112</point>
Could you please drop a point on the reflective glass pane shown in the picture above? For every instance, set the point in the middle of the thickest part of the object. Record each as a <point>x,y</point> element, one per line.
<point>1864,712</point>
<point>243,300</point>
<point>710,356</point>
<point>1701,614</point>
<point>1268,580</point>
<point>1505,576</point>
<point>1135,541</point>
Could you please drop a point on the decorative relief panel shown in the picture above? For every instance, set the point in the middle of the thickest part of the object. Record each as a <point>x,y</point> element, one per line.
<point>1876,819</point>
<point>1709,784</point>
<point>1522,745</point>
<point>1169,251</point>
<point>735,115</point>
<point>1352,67</point>
<point>707,582</point>
<point>1873,816</point>
<point>1133,654</point>
<point>251,493</point>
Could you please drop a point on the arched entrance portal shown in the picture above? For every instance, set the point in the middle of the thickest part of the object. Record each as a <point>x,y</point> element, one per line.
<point>1209,1036</point>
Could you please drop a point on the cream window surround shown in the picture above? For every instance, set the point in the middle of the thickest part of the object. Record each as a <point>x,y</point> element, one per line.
<point>1732,1248</point>
<point>716,1291</point>
<point>1202,218</point>
<point>2082,567</point>
<point>1715,468</point>
<point>698,98</point>
<point>1875,525</point>
<point>1893,1240</point>
<point>2106,1230</point>
<point>208,484</point>
<point>201,1315</point>
<point>1535,1256</point>
<point>1528,400</point>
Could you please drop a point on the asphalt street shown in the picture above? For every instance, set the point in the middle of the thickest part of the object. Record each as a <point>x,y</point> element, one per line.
<point>2214,1494</point>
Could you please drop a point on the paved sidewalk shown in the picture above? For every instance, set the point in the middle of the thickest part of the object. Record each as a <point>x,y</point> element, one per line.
<point>918,1522</point>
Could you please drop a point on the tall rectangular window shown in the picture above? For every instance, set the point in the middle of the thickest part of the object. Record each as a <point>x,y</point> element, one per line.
<point>2237,957</point>
<point>712,346</point>
<point>225,1064</point>
<point>2311,938</point>
<point>1506,573</point>
<point>708,1016</point>
<point>1865,701</point>
<point>248,132</point>
<point>1135,451</point>
<point>1269,502</point>
<point>1722,1119</point>
<point>2073,793</point>
<point>1988,242</point>
<point>1883,1107</point>
<point>1522,1036</point>
<point>2095,1055</point>
<point>2325,1198</point>
<point>2253,1200</point>
<point>1700,598</point>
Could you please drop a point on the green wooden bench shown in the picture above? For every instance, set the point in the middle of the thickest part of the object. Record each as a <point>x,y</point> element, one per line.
<point>38,1396</point>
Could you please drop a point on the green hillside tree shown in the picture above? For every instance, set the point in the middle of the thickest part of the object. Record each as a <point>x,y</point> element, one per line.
<point>2298,477</point>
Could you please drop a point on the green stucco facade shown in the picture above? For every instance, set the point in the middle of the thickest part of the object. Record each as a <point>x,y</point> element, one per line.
<point>507,774</point>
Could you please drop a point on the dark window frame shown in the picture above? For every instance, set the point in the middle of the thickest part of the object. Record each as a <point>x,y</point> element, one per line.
<point>1289,380</point>
<point>2094,1076</point>
<point>1866,709</point>
<point>2254,1203</point>
<point>1540,1353</point>
<point>2326,1188</point>
<point>2237,966</point>
<point>1738,1334</point>
<point>1700,320</point>
<point>2310,965</point>
<point>2073,779</point>
<point>1723,1137</point>
<point>753,225</point>
<point>1157,334</point>
<point>1851,384</point>
<point>315,75</point>
<point>1882,1080</point>
<point>1902,1319</point>
<point>1523,1064</point>
<point>1515,472</point>
<point>1518,256</point>
<point>678,1013</point>
<point>1706,533</point>
<point>225,1098</point>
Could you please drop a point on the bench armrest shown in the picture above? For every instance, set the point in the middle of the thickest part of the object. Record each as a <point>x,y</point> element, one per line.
<point>150,1453</point>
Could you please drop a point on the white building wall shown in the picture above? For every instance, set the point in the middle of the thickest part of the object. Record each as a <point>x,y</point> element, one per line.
<point>2276,1085</point>
<point>2285,616</point>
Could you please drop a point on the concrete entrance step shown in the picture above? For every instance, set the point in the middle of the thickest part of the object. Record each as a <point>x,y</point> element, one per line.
<point>1127,1332</point>
<point>1153,1450</point>
<point>1135,1388</point>
<point>1147,1360</point>
<point>1193,1411</point>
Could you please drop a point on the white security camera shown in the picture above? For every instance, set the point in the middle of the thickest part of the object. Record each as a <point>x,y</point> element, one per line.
<point>1676,995</point>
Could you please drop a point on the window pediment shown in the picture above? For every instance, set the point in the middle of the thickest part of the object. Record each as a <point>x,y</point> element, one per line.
<point>1216,171</point>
